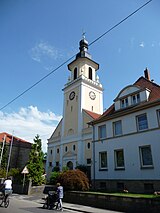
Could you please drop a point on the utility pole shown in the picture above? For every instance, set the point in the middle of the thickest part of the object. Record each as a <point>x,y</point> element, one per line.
<point>2,149</point>
<point>10,150</point>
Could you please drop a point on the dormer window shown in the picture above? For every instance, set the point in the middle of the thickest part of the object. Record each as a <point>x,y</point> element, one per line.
<point>136,98</point>
<point>124,102</point>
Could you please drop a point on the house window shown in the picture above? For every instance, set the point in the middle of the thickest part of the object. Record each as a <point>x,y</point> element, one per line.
<point>136,98</point>
<point>119,159</point>
<point>142,122</point>
<point>102,131</point>
<point>117,128</point>
<point>103,160</point>
<point>146,156</point>
<point>90,73</point>
<point>124,102</point>
<point>75,73</point>
<point>158,115</point>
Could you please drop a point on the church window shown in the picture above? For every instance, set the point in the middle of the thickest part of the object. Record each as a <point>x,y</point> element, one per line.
<point>88,145</point>
<point>71,108</point>
<point>66,149</point>
<point>51,151</point>
<point>74,147</point>
<point>57,150</point>
<point>92,108</point>
<point>75,73</point>
<point>90,73</point>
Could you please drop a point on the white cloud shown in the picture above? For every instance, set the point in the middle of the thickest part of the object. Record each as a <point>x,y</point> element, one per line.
<point>43,49</point>
<point>28,122</point>
<point>142,44</point>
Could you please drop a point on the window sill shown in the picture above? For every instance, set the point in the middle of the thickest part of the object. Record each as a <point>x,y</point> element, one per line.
<point>101,170</point>
<point>121,168</point>
<point>147,167</point>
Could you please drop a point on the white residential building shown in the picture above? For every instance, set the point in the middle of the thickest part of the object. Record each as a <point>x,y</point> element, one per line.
<point>126,140</point>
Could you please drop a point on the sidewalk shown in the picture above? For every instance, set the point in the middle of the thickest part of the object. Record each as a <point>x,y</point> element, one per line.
<point>69,206</point>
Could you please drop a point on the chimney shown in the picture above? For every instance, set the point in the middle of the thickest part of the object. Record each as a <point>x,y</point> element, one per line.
<point>146,74</point>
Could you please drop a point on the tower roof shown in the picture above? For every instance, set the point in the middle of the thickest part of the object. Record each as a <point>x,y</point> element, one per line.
<point>83,47</point>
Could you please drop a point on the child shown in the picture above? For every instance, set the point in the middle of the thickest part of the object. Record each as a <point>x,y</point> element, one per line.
<point>60,196</point>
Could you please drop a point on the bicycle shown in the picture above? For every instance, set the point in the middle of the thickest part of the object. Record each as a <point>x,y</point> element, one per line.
<point>4,198</point>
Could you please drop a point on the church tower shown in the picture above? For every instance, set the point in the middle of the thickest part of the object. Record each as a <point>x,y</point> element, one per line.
<point>71,142</point>
<point>82,91</point>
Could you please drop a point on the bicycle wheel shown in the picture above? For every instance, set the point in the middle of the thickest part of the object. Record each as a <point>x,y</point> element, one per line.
<point>6,203</point>
<point>1,202</point>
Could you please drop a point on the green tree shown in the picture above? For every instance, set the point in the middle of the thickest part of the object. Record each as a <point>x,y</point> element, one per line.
<point>35,163</point>
<point>4,156</point>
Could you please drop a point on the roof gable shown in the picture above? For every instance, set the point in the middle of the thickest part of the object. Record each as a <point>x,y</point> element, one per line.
<point>141,83</point>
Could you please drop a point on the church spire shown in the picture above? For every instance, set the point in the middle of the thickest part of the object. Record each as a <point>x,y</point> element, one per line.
<point>83,47</point>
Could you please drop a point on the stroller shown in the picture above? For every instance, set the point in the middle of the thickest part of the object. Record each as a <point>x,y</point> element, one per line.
<point>51,201</point>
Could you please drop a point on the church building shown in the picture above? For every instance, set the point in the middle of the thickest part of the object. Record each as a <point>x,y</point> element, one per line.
<point>70,145</point>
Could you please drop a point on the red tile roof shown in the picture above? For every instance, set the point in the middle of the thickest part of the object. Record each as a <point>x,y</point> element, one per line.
<point>92,114</point>
<point>142,83</point>
<point>155,88</point>
<point>16,140</point>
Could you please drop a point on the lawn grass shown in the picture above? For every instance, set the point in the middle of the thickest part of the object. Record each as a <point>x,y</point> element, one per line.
<point>132,195</point>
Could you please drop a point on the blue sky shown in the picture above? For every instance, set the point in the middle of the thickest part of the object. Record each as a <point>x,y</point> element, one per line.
<point>38,35</point>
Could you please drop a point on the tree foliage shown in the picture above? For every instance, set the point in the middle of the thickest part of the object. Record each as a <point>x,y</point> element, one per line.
<point>35,163</point>
<point>4,156</point>
<point>74,180</point>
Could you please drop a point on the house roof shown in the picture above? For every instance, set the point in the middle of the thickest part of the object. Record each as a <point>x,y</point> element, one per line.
<point>92,114</point>
<point>142,83</point>
<point>16,140</point>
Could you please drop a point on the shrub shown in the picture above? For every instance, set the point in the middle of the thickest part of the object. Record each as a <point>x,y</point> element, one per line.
<point>74,180</point>
<point>54,176</point>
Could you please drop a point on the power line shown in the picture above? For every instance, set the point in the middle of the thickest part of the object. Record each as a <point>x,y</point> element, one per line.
<point>116,25</point>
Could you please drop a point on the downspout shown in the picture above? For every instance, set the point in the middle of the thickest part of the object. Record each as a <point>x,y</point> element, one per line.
<point>93,155</point>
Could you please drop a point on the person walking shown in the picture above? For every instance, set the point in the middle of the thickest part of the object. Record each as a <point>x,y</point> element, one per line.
<point>60,196</point>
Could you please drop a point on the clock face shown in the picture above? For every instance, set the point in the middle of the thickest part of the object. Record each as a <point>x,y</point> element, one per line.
<point>92,95</point>
<point>72,95</point>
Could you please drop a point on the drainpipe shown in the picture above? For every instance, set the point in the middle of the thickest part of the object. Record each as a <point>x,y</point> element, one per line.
<point>93,156</point>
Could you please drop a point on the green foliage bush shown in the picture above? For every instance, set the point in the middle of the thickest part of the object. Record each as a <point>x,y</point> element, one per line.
<point>74,180</point>
<point>54,177</point>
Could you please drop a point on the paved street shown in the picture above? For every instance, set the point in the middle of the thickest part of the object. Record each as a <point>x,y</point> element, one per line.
<point>32,204</point>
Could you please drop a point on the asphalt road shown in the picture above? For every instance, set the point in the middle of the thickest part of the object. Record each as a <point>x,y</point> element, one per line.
<point>29,204</point>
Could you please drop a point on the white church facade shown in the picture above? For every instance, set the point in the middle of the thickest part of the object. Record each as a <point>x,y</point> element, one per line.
<point>71,143</point>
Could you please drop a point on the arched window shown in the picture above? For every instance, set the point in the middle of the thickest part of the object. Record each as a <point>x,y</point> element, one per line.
<point>90,73</point>
<point>75,73</point>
